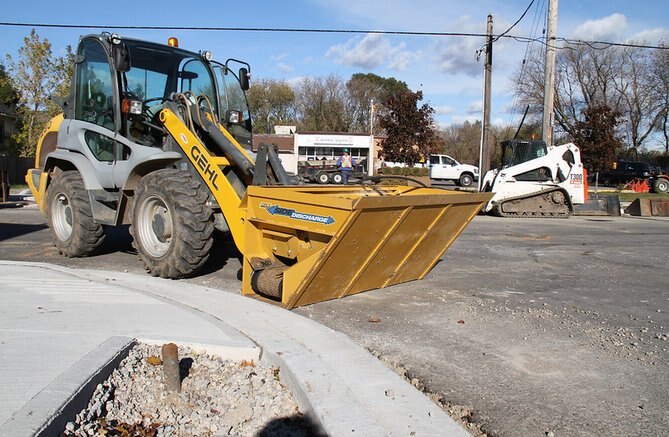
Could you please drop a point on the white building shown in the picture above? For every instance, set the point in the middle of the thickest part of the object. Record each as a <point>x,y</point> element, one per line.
<point>317,146</point>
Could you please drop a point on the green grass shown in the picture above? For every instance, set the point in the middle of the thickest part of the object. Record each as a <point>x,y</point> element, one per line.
<point>629,196</point>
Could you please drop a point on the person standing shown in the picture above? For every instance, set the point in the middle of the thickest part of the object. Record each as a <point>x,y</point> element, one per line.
<point>345,164</point>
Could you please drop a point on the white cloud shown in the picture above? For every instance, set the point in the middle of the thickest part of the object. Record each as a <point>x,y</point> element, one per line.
<point>457,55</point>
<point>651,36</point>
<point>443,110</point>
<point>284,68</point>
<point>609,28</point>
<point>372,51</point>
<point>475,107</point>
<point>460,119</point>
<point>279,56</point>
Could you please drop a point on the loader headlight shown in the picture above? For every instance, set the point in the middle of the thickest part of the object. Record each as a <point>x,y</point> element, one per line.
<point>207,55</point>
<point>131,106</point>
<point>233,117</point>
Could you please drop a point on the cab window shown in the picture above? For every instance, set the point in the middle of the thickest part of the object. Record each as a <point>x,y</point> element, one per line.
<point>194,77</point>
<point>94,91</point>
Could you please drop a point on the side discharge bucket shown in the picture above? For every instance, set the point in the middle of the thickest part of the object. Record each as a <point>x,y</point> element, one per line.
<point>310,244</point>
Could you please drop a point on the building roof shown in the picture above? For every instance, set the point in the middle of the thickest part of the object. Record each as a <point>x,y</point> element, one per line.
<point>285,143</point>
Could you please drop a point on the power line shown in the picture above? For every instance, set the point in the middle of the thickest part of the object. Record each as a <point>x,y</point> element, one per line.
<point>329,31</point>
<point>514,24</point>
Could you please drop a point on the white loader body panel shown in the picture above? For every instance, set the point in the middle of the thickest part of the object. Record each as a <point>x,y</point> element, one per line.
<point>561,167</point>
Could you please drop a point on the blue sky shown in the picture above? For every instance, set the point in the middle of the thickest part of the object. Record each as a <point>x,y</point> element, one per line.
<point>444,68</point>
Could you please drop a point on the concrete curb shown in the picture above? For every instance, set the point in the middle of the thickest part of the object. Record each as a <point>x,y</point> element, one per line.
<point>336,382</point>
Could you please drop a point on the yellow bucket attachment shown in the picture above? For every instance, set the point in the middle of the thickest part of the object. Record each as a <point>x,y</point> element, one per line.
<point>310,244</point>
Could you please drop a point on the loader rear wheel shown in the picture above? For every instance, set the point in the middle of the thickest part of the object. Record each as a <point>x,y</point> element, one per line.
<point>171,224</point>
<point>70,217</point>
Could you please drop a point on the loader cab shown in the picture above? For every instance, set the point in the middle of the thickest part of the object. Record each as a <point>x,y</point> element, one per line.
<point>516,152</point>
<point>121,84</point>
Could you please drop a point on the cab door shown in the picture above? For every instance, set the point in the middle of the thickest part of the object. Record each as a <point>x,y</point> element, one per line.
<point>92,130</point>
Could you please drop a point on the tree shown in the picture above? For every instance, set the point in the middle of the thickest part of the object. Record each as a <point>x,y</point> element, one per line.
<point>596,136</point>
<point>321,105</point>
<point>272,102</point>
<point>463,141</point>
<point>642,108</point>
<point>37,75</point>
<point>588,77</point>
<point>362,90</point>
<point>8,95</point>
<point>659,77</point>
<point>411,135</point>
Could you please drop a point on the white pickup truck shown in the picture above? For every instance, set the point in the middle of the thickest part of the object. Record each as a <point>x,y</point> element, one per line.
<point>443,167</point>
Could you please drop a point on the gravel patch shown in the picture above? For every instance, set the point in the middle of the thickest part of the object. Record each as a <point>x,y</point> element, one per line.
<point>218,398</point>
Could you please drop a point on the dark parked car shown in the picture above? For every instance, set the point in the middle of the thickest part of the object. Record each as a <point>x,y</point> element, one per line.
<point>626,171</point>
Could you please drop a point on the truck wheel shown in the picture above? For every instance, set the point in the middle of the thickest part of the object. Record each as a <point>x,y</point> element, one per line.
<point>661,185</point>
<point>465,180</point>
<point>70,217</point>
<point>337,178</point>
<point>171,224</point>
<point>323,178</point>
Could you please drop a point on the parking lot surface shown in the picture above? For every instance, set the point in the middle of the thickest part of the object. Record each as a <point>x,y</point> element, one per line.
<point>525,326</point>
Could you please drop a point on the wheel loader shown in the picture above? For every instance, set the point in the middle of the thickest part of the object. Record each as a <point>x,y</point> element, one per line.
<point>159,138</point>
<point>534,180</point>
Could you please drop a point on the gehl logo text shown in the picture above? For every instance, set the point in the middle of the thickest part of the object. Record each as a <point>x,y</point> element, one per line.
<point>201,160</point>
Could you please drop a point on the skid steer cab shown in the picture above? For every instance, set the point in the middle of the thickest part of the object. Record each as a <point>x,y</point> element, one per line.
<point>158,137</point>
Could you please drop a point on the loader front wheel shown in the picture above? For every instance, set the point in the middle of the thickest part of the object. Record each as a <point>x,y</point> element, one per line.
<point>70,217</point>
<point>171,224</point>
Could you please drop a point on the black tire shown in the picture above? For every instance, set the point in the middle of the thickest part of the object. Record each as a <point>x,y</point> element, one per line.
<point>70,217</point>
<point>466,179</point>
<point>661,185</point>
<point>322,178</point>
<point>171,224</point>
<point>337,178</point>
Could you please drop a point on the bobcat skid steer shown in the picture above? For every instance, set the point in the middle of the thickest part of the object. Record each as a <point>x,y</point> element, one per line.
<point>534,180</point>
<point>159,137</point>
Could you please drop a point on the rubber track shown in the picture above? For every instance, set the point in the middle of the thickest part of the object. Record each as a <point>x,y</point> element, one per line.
<point>497,210</point>
<point>191,219</point>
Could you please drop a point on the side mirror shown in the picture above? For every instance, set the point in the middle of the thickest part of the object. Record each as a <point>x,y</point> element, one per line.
<point>244,78</point>
<point>121,57</point>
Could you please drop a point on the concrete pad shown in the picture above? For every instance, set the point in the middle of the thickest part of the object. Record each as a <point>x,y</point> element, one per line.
<point>334,380</point>
<point>51,318</point>
<point>49,411</point>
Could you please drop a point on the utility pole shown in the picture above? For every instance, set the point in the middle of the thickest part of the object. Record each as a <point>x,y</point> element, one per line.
<point>484,151</point>
<point>371,117</point>
<point>549,73</point>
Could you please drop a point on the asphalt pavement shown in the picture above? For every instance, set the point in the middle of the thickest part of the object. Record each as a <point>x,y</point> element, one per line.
<point>63,330</point>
